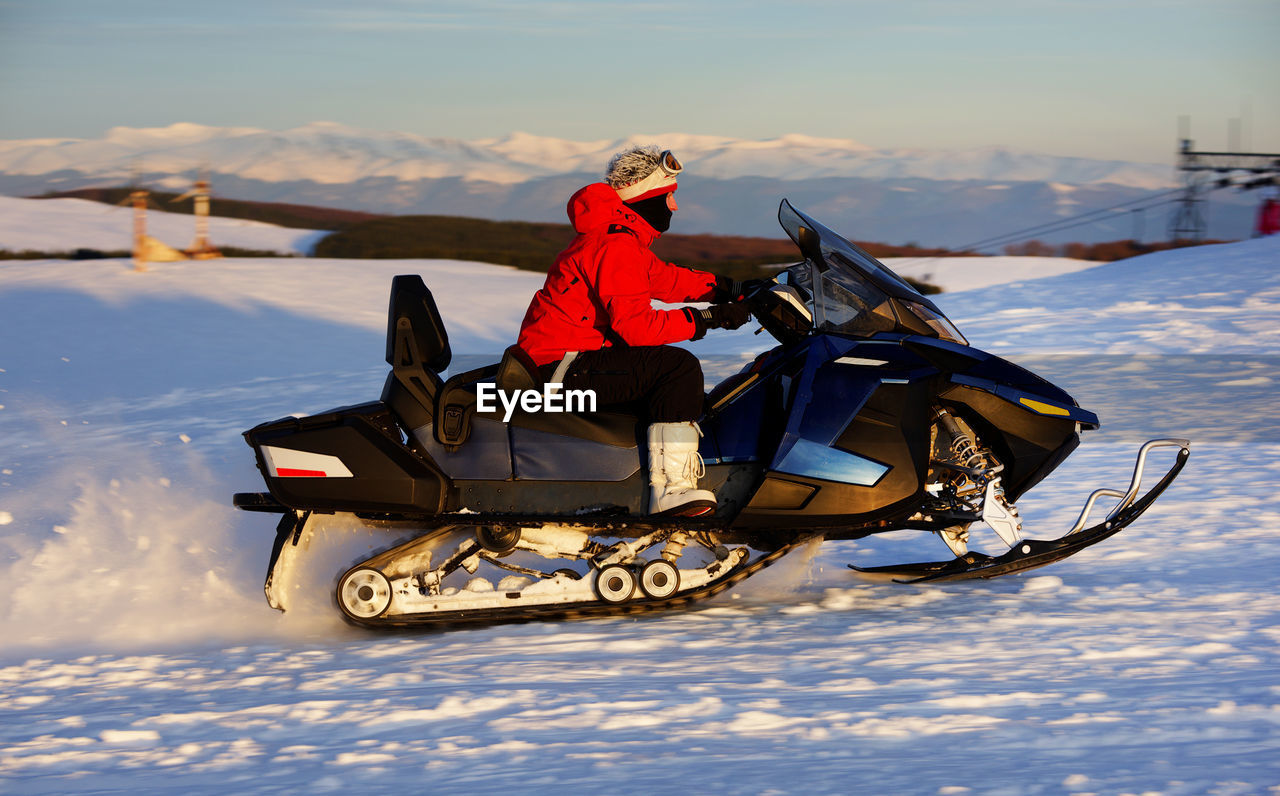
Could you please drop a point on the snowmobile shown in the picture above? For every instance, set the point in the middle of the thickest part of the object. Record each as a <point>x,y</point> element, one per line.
<point>871,414</point>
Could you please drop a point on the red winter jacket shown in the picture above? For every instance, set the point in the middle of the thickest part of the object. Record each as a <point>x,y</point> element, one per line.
<point>1269,217</point>
<point>598,291</point>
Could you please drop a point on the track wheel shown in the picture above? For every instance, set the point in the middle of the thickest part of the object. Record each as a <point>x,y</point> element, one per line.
<point>615,583</point>
<point>659,579</point>
<point>364,593</point>
<point>498,541</point>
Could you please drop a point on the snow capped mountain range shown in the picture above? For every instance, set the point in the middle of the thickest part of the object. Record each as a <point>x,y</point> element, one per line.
<point>329,153</point>
<point>732,186</point>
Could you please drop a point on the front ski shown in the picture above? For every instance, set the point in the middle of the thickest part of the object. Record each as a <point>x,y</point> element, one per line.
<point>1031,553</point>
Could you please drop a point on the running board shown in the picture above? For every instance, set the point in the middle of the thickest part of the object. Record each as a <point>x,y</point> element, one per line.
<point>613,518</point>
<point>1031,553</point>
<point>258,501</point>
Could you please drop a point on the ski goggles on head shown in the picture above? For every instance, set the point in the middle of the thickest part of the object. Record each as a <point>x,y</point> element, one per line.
<point>668,163</point>
<point>660,180</point>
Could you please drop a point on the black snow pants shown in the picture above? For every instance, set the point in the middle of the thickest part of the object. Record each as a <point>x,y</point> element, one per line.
<point>665,381</point>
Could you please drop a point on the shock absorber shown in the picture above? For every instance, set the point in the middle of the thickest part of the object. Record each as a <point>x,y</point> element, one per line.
<point>675,546</point>
<point>963,445</point>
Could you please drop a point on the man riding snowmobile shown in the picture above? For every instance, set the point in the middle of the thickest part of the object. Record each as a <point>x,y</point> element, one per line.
<point>872,414</point>
<point>592,326</point>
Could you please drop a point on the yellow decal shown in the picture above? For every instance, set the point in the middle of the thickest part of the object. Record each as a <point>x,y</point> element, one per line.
<point>1043,408</point>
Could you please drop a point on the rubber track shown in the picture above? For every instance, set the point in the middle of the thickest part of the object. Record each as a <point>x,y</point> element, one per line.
<point>589,610</point>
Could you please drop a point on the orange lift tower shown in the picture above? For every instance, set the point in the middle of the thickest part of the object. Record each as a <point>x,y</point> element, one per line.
<point>138,198</point>
<point>200,249</point>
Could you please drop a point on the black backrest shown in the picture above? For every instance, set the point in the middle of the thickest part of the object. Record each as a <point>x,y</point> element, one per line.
<point>417,350</point>
<point>415,331</point>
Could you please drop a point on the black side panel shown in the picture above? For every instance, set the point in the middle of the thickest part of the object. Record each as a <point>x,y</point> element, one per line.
<point>782,494</point>
<point>385,476</point>
<point>891,429</point>
<point>405,405</point>
<point>1047,465</point>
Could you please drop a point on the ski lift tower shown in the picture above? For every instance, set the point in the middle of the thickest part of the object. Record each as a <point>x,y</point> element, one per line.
<point>200,249</point>
<point>1199,170</point>
<point>138,200</point>
<point>146,248</point>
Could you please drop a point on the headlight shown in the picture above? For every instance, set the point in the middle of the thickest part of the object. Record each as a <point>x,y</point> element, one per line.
<point>937,322</point>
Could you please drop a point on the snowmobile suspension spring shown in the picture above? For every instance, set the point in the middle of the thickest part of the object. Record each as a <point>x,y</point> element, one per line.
<point>674,547</point>
<point>962,444</point>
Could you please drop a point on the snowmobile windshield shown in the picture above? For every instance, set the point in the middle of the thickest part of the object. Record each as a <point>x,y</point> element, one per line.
<point>856,294</point>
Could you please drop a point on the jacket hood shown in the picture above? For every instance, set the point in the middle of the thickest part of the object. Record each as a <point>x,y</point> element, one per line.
<point>597,207</point>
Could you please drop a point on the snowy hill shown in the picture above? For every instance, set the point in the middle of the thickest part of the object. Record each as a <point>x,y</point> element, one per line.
<point>64,225</point>
<point>732,186</point>
<point>138,654</point>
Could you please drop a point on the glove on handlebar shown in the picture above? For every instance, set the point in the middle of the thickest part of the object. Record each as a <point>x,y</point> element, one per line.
<point>725,316</point>
<point>728,290</point>
<point>718,316</point>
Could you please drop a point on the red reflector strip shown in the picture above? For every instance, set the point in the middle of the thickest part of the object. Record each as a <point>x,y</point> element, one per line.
<point>289,472</point>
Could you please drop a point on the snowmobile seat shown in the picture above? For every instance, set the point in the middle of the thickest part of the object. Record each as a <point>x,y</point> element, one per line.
<point>615,426</point>
<point>455,408</point>
<point>417,351</point>
<point>456,404</point>
<point>517,371</point>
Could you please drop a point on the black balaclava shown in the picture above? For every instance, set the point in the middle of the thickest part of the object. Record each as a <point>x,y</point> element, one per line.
<point>654,210</point>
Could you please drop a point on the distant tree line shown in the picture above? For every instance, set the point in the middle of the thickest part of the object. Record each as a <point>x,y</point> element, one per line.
<point>534,246</point>
<point>1102,252</point>
<point>76,254</point>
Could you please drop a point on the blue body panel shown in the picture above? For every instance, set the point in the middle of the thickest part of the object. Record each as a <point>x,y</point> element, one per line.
<point>826,385</point>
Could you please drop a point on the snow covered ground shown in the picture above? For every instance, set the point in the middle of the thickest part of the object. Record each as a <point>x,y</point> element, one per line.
<point>137,653</point>
<point>967,273</point>
<point>64,225</point>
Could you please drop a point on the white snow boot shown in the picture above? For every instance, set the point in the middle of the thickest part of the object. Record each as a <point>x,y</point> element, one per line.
<point>674,470</point>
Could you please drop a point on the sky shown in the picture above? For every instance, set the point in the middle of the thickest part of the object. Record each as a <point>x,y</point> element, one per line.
<point>1092,78</point>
